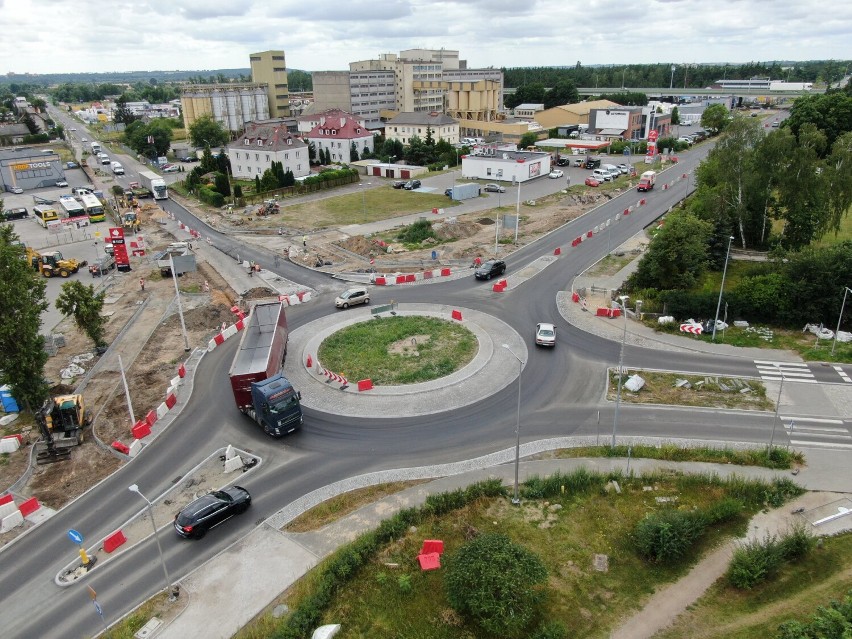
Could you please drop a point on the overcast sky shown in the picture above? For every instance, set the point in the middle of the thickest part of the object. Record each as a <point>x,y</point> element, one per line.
<point>44,36</point>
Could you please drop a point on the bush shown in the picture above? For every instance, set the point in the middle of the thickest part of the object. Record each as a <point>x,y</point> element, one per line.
<point>665,537</point>
<point>550,630</point>
<point>211,197</point>
<point>797,543</point>
<point>417,232</point>
<point>754,562</point>
<point>495,583</point>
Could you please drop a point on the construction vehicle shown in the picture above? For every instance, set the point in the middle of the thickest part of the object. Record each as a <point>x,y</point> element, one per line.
<point>269,207</point>
<point>52,263</point>
<point>138,191</point>
<point>61,421</point>
<point>261,391</point>
<point>130,221</point>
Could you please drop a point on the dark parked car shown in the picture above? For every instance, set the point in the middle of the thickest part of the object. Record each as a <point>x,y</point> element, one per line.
<point>209,511</point>
<point>494,188</point>
<point>411,185</point>
<point>189,158</point>
<point>14,214</point>
<point>448,192</point>
<point>489,269</point>
<point>563,162</point>
<point>398,184</point>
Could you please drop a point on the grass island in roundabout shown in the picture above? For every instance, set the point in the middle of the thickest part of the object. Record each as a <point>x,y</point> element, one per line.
<point>400,349</point>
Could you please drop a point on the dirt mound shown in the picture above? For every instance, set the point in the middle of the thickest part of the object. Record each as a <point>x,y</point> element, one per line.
<point>259,293</point>
<point>485,221</point>
<point>203,317</point>
<point>361,245</point>
<point>457,230</point>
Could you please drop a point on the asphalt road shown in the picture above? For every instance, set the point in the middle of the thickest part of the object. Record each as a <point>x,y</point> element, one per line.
<point>562,392</point>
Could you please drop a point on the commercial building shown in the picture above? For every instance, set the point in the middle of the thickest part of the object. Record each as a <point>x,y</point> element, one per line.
<point>232,105</point>
<point>28,168</point>
<point>528,110</point>
<point>264,143</point>
<point>571,113</point>
<point>405,126</point>
<point>507,166</point>
<point>269,68</point>
<point>337,131</point>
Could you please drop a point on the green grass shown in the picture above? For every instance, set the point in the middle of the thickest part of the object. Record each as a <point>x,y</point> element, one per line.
<point>393,350</point>
<point>609,265</point>
<point>778,458</point>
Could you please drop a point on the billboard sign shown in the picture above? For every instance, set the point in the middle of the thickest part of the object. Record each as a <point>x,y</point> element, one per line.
<point>122,261</point>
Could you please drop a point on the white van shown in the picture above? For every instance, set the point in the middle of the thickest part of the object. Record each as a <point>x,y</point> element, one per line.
<point>613,170</point>
<point>602,175</point>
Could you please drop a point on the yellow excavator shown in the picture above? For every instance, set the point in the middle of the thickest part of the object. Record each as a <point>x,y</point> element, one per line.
<point>51,263</point>
<point>61,421</point>
<point>130,221</point>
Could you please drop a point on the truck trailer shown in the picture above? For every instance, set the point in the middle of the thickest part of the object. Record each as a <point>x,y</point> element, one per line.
<point>646,181</point>
<point>261,391</point>
<point>155,184</point>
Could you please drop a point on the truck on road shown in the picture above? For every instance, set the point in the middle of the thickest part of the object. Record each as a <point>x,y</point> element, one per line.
<point>155,184</point>
<point>261,391</point>
<point>647,180</point>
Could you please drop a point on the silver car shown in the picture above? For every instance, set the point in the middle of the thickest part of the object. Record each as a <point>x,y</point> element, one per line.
<point>352,297</point>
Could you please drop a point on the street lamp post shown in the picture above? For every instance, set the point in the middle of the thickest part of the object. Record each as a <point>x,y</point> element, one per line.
<point>518,213</point>
<point>671,81</point>
<point>623,299</point>
<point>721,288</point>
<point>846,289</point>
<point>135,489</point>
<point>515,498</point>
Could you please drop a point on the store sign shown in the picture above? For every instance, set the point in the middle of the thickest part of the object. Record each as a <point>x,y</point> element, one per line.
<point>31,165</point>
<point>122,261</point>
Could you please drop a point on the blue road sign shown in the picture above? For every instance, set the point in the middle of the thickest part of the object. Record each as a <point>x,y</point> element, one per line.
<point>98,608</point>
<point>74,536</point>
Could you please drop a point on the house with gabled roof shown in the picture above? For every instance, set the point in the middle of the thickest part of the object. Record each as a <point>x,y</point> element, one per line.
<point>336,131</point>
<point>263,143</point>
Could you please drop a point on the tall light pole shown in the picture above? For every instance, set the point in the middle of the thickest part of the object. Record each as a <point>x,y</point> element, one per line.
<point>671,82</point>
<point>623,299</point>
<point>846,289</point>
<point>135,489</point>
<point>518,213</point>
<point>515,498</point>
<point>721,288</point>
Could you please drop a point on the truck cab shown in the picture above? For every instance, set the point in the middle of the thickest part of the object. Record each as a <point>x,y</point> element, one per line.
<point>276,406</point>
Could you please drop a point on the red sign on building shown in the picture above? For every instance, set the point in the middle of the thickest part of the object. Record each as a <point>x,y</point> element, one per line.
<point>122,261</point>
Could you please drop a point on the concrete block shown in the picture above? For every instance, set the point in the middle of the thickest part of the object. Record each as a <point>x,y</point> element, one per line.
<point>235,463</point>
<point>175,381</point>
<point>230,453</point>
<point>134,448</point>
<point>162,409</point>
<point>9,444</point>
<point>230,331</point>
<point>8,508</point>
<point>11,521</point>
<point>326,632</point>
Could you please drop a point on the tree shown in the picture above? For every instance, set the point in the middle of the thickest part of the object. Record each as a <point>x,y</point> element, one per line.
<point>268,181</point>
<point>122,114</point>
<point>30,123</point>
<point>152,139</point>
<point>677,256</point>
<point>715,118</point>
<point>831,113</point>
<point>22,298</point>
<point>353,152</point>
<point>207,131</point>
<point>221,183</point>
<point>838,181</point>
<point>563,93</point>
<point>527,139</point>
<point>496,583</point>
<point>675,116</point>
<point>312,152</point>
<point>289,178</point>
<point>85,306</point>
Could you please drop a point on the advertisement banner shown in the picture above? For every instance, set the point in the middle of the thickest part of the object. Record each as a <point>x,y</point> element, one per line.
<point>122,261</point>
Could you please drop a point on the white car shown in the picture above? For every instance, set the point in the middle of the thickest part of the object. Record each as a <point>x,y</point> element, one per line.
<point>685,139</point>
<point>687,123</point>
<point>83,140</point>
<point>556,173</point>
<point>545,334</point>
<point>623,168</point>
<point>16,189</point>
<point>170,168</point>
<point>61,183</point>
<point>72,129</point>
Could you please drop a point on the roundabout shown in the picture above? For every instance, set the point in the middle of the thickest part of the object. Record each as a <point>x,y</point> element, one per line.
<point>492,368</point>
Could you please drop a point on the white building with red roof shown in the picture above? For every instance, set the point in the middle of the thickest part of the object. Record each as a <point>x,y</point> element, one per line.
<point>336,131</point>
<point>266,142</point>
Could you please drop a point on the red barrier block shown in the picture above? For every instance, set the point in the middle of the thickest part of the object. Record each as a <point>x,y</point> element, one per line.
<point>151,417</point>
<point>400,279</point>
<point>171,400</point>
<point>434,211</point>
<point>380,281</point>
<point>445,272</point>
<point>301,295</point>
<point>429,561</point>
<point>557,251</point>
<point>29,506</point>
<point>5,499</point>
<point>642,202</point>
<point>427,275</point>
<point>615,312</point>
<point>575,297</point>
<point>235,310</point>
<point>365,385</point>
<point>219,339</point>
<point>589,234</point>
<point>181,371</point>
<point>626,211</point>
<point>114,541</point>
<point>410,277</point>
<point>498,288</point>
<point>17,436</point>
<point>122,448</point>
<point>141,430</point>
<point>432,545</point>
<point>309,362</point>
<point>602,312</point>
<point>456,315</point>
<point>241,324</point>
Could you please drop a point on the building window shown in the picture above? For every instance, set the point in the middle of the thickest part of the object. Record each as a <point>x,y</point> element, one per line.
<point>257,157</point>
<point>267,157</point>
<point>286,156</point>
<point>247,141</point>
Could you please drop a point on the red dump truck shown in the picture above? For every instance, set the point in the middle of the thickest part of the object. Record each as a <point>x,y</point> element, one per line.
<point>260,390</point>
<point>646,181</point>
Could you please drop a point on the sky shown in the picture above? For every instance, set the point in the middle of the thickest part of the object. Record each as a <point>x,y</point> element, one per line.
<point>80,36</point>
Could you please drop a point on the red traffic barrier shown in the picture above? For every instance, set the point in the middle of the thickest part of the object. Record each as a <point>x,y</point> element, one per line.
<point>365,385</point>
<point>432,560</point>
<point>5,499</point>
<point>181,371</point>
<point>122,448</point>
<point>589,234</point>
<point>400,279</point>
<point>115,540</point>
<point>434,211</point>
<point>683,176</point>
<point>445,272</point>
<point>432,545</point>
<point>642,202</point>
<point>498,287</point>
<point>140,430</point>
<point>380,281</point>
<point>17,436</point>
<point>29,506</point>
<point>456,315</point>
<point>241,324</point>
<point>310,361</point>
<point>151,417</point>
<point>410,277</point>
<point>171,400</point>
<point>575,296</point>
<point>427,275</point>
<point>557,251</point>
<point>665,186</point>
<point>602,311</point>
<point>615,312</point>
<point>219,339</point>
<point>691,328</point>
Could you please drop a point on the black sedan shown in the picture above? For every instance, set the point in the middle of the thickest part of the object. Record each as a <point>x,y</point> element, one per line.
<point>411,185</point>
<point>209,511</point>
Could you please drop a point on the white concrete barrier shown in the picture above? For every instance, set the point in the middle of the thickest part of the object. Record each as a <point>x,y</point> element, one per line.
<point>162,409</point>
<point>230,453</point>
<point>9,444</point>
<point>232,464</point>
<point>11,521</point>
<point>135,447</point>
<point>230,331</point>
<point>8,509</point>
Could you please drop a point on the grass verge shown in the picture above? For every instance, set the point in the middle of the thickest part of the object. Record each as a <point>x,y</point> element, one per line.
<point>779,458</point>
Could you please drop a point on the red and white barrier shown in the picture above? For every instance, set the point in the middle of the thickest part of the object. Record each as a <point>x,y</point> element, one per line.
<point>408,278</point>
<point>695,329</point>
<point>334,377</point>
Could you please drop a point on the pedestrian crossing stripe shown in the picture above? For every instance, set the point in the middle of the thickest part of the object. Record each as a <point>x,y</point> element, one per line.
<point>842,374</point>
<point>811,444</point>
<point>781,364</point>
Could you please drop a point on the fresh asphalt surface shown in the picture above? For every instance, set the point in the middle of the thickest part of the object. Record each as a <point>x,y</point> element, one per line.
<point>562,392</point>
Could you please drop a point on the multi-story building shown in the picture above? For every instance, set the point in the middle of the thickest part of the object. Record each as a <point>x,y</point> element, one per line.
<point>232,105</point>
<point>566,114</point>
<point>264,143</point>
<point>405,126</point>
<point>269,68</point>
<point>336,131</point>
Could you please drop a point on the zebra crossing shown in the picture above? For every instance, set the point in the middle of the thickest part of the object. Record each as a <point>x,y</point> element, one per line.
<point>812,432</point>
<point>842,374</point>
<point>770,371</point>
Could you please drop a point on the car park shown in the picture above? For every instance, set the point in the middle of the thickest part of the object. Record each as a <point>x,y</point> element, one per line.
<point>399,184</point>
<point>545,334</point>
<point>411,185</point>
<point>489,269</point>
<point>352,297</point>
<point>61,183</point>
<point>556,173</point>
<point>211,510</point>
<point>591,181</point>
<point>495,188</point>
